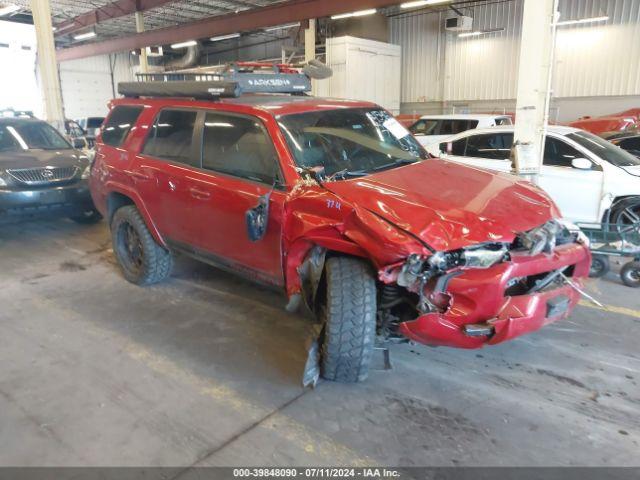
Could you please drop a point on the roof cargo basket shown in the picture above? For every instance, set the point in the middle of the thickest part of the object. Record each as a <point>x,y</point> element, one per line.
<point>230,81</point>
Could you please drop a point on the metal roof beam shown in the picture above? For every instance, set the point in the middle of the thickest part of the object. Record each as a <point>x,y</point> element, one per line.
<point>280,13</point>
<point>119,8</point>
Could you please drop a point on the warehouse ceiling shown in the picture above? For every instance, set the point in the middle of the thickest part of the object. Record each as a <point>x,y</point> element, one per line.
<point>169,14</point>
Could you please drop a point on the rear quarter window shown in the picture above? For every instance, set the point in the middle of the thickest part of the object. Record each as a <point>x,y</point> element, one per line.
<point>119,124</point>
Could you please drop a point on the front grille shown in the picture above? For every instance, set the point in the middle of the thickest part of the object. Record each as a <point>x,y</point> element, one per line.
<point>44,175</point>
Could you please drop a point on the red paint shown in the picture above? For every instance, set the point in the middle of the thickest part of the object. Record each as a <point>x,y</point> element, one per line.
<point>382,217</point>
<point>479,296</point>
<point>615,122</point>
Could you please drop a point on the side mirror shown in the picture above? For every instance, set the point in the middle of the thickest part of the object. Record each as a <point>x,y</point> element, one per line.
<point>78,143</point>
<point>581,164</point>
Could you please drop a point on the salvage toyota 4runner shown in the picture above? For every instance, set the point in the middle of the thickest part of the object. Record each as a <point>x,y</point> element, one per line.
<point>334,202</point>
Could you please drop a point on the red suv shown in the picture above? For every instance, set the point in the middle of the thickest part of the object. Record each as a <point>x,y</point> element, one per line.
<point>337,204</point>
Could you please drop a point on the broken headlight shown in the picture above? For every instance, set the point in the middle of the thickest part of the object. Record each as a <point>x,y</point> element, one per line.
<point>484,257</point>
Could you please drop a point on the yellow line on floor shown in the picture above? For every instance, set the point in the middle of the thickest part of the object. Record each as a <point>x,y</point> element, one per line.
<point>629,312</point>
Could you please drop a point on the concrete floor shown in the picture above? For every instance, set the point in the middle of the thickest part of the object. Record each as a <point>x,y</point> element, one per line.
<point>205,370</point>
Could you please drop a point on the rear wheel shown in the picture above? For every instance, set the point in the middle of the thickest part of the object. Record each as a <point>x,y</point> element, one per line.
<point>630,274</point>
<point>600,266</point>
<point>142,260</point>
<point>349,315</point>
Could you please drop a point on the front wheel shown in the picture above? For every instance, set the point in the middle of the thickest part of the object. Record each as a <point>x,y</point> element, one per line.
<point>349,316</point>
<point>630,274</point>
<point>626,213</point>
<point>142,260</point>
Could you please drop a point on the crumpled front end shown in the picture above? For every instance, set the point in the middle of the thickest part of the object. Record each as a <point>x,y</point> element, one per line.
<point>485,294</point>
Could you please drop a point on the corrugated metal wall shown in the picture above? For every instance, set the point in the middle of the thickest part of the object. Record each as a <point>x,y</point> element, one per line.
<point>591,60</point>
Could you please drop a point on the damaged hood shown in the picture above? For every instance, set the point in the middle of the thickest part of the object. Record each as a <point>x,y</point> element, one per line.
<point>448,205</point>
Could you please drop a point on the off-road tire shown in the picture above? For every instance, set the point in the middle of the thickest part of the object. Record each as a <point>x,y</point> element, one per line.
<point>630,274</point>
<point>349,315</point>
<point>87,218</point>
<point>156,262</point>
<point>600,266</point>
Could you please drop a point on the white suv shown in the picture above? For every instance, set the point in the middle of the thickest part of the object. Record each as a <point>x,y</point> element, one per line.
<point>431,129</point>
<point>583,173</point>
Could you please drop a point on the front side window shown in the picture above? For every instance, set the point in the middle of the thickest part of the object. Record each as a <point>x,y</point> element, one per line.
<point>120,122</point>
<point>503,121</point>
<point>604,149</point>
<point>349,142</point>
<point>238,146</point>
<point>456,148</point>
<point>558,153</point>
<point>171,137</point>
<point>31,135</point>
<point>424,127</point>
<point>453,127</point>
<point>491,146</point>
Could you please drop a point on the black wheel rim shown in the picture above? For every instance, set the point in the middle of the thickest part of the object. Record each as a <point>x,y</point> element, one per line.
<point>629,219</point>
<point>130,247</point>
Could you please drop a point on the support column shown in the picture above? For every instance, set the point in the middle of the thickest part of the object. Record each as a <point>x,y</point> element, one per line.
<point>310,46</point>
<point>144,62</point>
<point>47,64</point>
<point>534,85</point>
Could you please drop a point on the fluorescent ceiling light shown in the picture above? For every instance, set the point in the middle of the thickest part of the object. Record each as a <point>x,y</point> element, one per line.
<point>583,20</point>
<point>360,13</point>
<point>423,3</point>
<point>85,35</point>
<point>189,43</point>
<point>480,32</point>
<point>282,27</point>
<point>8,9</point>
<point>224,37</point>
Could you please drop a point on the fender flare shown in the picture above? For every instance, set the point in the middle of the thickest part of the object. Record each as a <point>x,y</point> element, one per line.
<point>118,188</point>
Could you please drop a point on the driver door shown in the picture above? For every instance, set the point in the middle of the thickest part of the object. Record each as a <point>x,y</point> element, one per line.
<point>239,167</point>
<point>576,192</point>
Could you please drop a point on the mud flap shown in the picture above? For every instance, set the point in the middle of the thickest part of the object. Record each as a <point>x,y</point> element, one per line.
<point>311,373</point>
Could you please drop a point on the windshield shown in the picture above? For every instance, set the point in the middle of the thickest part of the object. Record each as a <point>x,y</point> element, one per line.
<point>32,135</point>
<point>604,149</point>
<point>349,142</point>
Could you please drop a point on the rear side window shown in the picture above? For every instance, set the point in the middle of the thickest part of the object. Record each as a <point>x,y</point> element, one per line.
<point>238,146</point>
<point>120,122</point>
<point>457,148</point>
<point>503,121</point>
<point>424,127</point>
<point>453,127</point>
<point>492,146</point>
<point>171,137</point>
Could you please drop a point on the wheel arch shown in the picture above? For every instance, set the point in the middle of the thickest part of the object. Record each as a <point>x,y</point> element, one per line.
<point>118,198</point>
<point>617,202</point>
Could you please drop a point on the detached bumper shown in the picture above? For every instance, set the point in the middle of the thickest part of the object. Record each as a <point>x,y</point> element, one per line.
<point>62,200</point>
<point>482,313</point>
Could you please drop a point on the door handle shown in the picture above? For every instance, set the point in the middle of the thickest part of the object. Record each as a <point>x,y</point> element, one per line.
<point>138,175</point>
<point>200,194</point>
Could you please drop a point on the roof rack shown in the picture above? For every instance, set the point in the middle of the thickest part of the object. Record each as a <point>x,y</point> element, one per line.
<point>230,80</point>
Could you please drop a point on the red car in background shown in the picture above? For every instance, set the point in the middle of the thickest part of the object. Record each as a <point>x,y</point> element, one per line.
<point>337,205</point>
<point>628,120</point>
